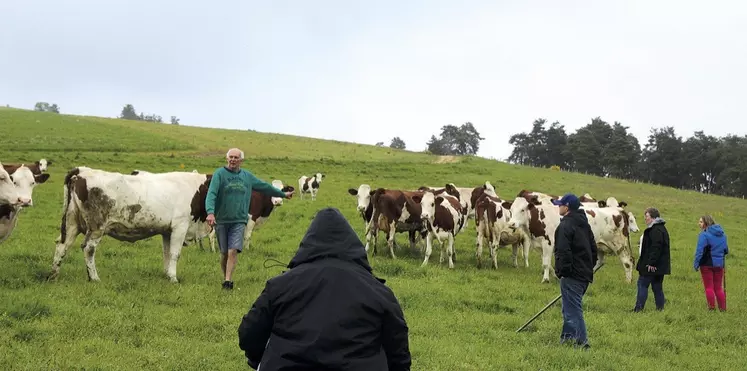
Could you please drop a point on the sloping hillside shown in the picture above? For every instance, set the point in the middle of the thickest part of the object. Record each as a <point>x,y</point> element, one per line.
<point>460,319</point>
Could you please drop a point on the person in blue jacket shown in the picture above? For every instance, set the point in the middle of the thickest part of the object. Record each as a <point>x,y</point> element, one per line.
<point>710,257</point>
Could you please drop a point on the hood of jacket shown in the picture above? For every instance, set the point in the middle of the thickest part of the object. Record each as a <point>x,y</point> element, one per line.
<point>715,230</point>
<point>330,236</point>
<point>658,220</point>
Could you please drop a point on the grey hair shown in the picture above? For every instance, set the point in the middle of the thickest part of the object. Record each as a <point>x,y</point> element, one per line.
<point>240,151</point>
<point>652,212</point>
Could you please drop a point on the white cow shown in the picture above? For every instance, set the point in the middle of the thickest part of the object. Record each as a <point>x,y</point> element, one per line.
<point>611,228</point>
<point>23,182</point>
<point>444,218</point>
<point>197,230</point>
<point>8,191</point>
<point>310,184</point>
<point>129,208</point>
<point>536,223</point>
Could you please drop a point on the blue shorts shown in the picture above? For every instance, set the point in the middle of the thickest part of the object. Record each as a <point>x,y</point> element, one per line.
<point>230,236</point>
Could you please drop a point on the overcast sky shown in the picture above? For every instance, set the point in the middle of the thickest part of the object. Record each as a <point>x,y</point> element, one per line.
<point>380,69</point>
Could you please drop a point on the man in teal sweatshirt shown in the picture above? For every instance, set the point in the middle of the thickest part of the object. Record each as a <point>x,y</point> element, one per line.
<point>227,205</point>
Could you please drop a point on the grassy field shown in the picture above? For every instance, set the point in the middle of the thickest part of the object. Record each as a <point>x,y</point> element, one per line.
<point>460,319</point>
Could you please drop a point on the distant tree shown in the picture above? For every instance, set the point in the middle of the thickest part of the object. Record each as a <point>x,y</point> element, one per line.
<point>129,113</point>
<point>46,107</point>
<point>437,146</point>
<point>174,120</point>
<point>454,140</point>
<point>397,143</point>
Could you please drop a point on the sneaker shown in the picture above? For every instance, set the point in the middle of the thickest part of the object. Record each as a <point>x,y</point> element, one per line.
<point>228,285</point>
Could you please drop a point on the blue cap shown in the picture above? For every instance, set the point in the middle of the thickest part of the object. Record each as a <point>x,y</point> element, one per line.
<point>569,200</point>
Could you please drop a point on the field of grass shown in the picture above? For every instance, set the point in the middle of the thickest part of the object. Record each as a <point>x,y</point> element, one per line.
<point>460,319</point>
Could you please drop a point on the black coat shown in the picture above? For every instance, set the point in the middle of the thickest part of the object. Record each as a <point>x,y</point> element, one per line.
<point>328,311</point>
<point>655,250</point>
<point>575,247</point>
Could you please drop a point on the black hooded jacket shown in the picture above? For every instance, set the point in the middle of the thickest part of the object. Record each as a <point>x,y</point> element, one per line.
<point>575,247</point>
<point>328,311</point>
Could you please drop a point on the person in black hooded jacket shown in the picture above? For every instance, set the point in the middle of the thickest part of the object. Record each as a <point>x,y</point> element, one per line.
<point>575,257</point>
<point>328,311</point>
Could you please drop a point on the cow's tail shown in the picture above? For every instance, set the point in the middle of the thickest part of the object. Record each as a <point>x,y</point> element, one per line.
<point>67,189</point>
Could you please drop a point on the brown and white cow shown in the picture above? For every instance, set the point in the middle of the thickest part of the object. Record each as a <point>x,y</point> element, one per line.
<point>611,228</point>
<point>468,195</point>
<point>364,205</point>
<point>543,198</point>
<point>444,217</point>
<point>536,222</point>
<point>129,208</point>
<point>310,185</point>
<point>395,210</point>
<point>491,223</point>
<point>37,167</point>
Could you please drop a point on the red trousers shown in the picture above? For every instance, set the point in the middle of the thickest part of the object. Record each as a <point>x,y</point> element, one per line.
<point>713,280</point>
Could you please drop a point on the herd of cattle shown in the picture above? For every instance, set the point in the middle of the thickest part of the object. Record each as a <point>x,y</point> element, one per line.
<point>140,205</point>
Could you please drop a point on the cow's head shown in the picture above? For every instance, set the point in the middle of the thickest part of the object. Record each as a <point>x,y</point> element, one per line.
<point>8,191</point>
<point>25,181</point>
<point>612,202</point>
<point>428,204</point>
<point>43,164</point>
<point>363,195</point>
<point>319,177</point>
<point>632,225</point>
<point>277,183</point>
<point>522,211</point>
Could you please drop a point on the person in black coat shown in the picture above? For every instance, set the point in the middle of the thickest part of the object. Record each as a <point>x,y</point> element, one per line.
<point>575,257</point>
<point>328,311</point>
<point>654,262</point>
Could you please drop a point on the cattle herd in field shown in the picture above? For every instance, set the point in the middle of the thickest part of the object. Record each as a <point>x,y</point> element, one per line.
<point>140,205</point>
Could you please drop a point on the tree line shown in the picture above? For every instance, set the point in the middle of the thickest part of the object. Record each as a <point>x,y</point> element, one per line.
<point>703,163</point>
<point>453,140</point>
<point>129,113</point>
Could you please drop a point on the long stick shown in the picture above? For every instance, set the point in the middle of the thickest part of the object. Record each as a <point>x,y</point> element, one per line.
<point>547,306</point>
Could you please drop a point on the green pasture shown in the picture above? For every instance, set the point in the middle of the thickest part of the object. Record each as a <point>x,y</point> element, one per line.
<point>460,319</point>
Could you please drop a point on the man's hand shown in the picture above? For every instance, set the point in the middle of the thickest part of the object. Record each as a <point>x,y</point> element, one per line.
<point>651,268</point>
<point>210,219</point>
<point>288,194</point>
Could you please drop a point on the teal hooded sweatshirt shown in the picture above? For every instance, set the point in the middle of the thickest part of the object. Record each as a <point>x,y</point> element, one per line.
<point>230,193</point>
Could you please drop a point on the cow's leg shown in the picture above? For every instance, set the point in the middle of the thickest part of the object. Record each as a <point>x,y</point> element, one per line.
<point>450,251</point>
<point>546,256</point>
<point>515,254</point>
<point>166,241</point>
<point>600,258</point>
<point>494,246</point>
<point>177,238</point>
<point>411,235</point>
<point>72,231</point>
<point>211,237</point>
<point>89,251</point>
<point>390,238</point>
<point>250,225</point>
<point>478,247</point>
<point>626,259</point>
<point>428,248</point>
